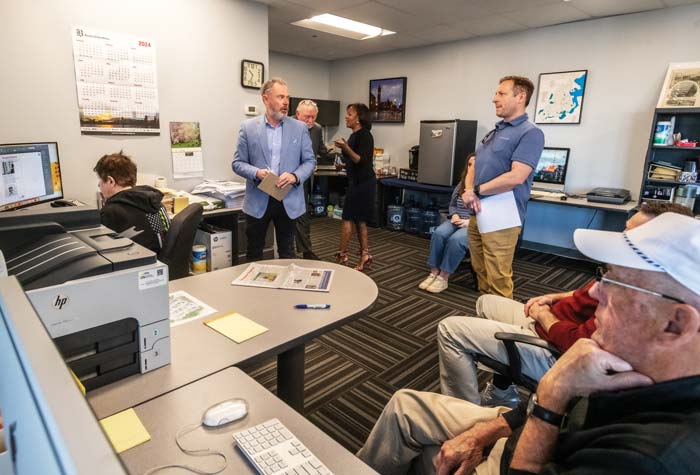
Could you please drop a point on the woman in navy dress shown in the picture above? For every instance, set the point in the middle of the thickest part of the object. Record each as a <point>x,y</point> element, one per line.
<point>358,152</point>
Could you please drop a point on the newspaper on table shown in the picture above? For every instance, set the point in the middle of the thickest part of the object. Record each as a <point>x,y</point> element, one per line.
<point>286,277</point>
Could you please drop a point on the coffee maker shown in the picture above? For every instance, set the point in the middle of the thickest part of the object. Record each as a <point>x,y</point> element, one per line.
<point>413,157</point>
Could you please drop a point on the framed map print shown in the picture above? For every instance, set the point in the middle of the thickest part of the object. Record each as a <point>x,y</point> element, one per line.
<point>560,97</point>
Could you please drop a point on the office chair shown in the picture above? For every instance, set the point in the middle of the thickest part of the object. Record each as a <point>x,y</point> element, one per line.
<point>179,239</point>
<point>513,369</point>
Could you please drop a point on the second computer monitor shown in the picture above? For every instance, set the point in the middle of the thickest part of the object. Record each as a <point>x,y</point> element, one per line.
<point>29,174</point>
<point>550,173</point>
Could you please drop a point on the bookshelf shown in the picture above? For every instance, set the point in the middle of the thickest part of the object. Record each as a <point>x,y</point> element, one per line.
<point>687,123</point>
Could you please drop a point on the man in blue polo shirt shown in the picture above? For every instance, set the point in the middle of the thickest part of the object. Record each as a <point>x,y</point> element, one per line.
<point>505,161</point>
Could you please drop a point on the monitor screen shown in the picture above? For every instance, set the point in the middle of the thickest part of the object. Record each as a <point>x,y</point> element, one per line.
<point>30,174</point>
<point>47,424</point>
<point>328,111</point>
<point>551,169</point>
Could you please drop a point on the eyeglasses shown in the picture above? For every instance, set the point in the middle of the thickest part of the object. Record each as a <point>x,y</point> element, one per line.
<point>600,277</point>
<point>487,138</point>
<point>308,102</point>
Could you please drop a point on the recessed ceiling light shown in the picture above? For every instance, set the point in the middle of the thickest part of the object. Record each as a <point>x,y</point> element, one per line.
<point>340,26</point>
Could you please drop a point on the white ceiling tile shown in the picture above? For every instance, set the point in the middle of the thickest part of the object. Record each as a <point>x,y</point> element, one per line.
<point>599,8</point>
<point>675,3</point>
<point>376,14</point>
<point>443,33</point>
<point>545,15</point>
<point>493,25</point>
<point>431,13</point>
<point>504,6</point>
<point>328,6</point>
<point>287,13</point>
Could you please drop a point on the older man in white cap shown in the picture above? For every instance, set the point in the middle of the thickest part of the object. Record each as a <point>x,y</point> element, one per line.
<point>625,401</point>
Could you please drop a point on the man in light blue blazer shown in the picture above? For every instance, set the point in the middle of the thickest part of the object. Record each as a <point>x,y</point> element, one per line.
<point>281,145</point>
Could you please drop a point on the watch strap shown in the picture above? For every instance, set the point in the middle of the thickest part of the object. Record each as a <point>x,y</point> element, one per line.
<point>550,417</point>
<point>477,188</point>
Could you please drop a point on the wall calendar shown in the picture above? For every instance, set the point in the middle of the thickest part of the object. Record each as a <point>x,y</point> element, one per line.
<point>116,81</point>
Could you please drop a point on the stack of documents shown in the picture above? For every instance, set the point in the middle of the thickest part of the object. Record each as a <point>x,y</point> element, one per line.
<point>664,171</point>
<point>231,193</point>
<point>230,189</point>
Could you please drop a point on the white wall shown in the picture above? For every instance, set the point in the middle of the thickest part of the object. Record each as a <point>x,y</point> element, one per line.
<point>199,48</point>
<point>626,58</point>
<point>306,77</point>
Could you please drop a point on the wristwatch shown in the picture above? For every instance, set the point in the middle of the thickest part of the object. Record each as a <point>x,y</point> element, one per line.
<point>550,417</point>
<point>476,190</point>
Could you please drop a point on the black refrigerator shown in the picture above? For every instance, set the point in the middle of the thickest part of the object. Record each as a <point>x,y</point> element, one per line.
<point>444,146</point>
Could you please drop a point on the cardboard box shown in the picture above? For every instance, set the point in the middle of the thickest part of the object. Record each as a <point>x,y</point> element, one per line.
<point>218,242</point>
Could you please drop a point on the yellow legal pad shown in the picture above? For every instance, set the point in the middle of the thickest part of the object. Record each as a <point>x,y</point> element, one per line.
<point>125,430</point>
<point>236,327</point>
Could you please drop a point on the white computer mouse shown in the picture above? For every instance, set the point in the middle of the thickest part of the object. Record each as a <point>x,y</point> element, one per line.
<point>225,412</point>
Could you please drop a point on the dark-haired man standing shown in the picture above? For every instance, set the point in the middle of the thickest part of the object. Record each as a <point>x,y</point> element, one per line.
<point>505,161</point>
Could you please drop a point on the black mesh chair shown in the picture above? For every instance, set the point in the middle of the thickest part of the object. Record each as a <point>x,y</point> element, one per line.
<point>178,242</point>
<point>513,369</point>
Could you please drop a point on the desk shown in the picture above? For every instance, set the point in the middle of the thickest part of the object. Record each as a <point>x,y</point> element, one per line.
<point>165,415</point>
<point>198,351</point>
<point>226,218</point>
<point>550,222</point>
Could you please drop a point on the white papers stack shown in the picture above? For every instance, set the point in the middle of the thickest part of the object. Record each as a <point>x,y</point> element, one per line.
<point>230,189</point>
<point>498,212</point>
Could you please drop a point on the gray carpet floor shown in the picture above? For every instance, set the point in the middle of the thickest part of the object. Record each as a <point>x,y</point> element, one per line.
<point>352,372</point>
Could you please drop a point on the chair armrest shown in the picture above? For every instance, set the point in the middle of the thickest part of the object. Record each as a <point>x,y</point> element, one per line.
<point>527,340</point>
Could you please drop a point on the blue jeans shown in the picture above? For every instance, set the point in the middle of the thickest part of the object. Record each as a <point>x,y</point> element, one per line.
<point>448,246</point>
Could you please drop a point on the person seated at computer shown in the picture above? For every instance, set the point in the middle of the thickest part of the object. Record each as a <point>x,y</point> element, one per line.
<point>127,205</point>
<point>560,318</point>
<point>448,244</point>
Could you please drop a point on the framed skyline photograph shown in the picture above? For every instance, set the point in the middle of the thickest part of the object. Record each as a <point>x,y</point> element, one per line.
<point>560,97</point>
<point>387,100</point>
<point>681,87</point>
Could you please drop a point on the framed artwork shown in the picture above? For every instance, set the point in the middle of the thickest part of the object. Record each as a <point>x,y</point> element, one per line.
<point>252,74</point>
<point>387,100</point>
<point>681,87</point>
<point>560,97</point>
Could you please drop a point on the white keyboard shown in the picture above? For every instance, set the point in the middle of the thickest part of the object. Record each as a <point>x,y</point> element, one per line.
<point>546,194</point>
<point>274,450</point>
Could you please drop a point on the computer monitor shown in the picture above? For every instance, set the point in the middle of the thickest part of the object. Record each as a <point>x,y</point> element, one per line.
<point>328,111</point>
<point>550,173</point>
<point>30,174</point>
<point>48,426</point>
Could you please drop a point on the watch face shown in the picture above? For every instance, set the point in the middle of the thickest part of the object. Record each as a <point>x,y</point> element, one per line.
<point>531,403</point>
<point>252,74</point>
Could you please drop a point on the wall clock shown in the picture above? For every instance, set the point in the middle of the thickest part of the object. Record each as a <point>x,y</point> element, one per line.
<point>252,74</point>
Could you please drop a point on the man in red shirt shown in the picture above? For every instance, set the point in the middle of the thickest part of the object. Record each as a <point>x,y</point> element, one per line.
<point>561,319</point>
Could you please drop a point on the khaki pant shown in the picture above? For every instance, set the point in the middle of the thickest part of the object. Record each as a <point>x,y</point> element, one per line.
<point>413,427</point>
<point>492,258</point>
<point>460,338</point>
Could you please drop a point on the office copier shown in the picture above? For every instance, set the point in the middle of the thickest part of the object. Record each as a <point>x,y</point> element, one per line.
<point>102,297</point>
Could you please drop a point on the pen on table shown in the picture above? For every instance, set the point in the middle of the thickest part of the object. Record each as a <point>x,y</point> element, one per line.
<point>313,306</point>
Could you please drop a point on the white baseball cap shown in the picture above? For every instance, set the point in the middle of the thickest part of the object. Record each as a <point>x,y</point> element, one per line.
<point>669,243</point>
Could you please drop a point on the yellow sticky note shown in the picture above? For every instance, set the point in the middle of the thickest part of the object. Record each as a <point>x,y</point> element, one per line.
<point>125,430</point>
<point>236,327</point>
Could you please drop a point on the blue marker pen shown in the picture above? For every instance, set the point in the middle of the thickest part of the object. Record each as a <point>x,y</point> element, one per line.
<point>313,306</point>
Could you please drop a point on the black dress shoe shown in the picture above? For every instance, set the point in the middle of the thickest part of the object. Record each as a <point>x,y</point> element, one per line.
<point>311,256</point>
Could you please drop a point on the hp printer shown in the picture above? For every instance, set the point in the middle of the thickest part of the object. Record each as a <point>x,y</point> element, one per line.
<point>102,298</point>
